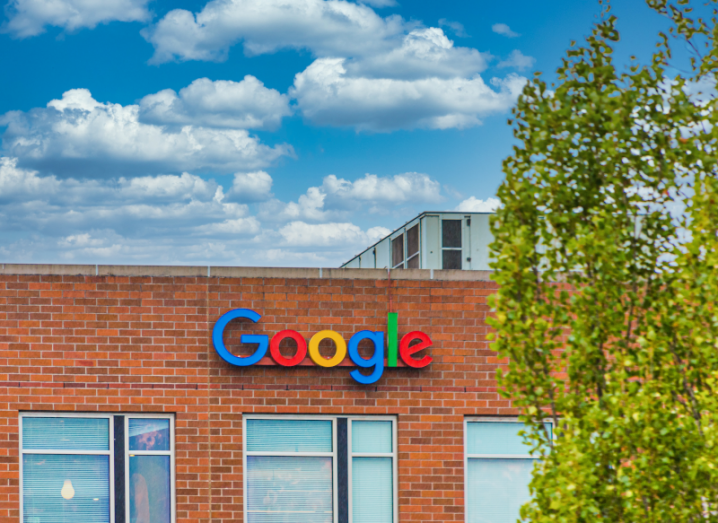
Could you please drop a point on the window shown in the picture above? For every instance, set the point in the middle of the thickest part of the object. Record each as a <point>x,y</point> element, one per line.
<point>372,471</point>
<point>451,244</point>
<point>397,252</point>
<point>498,468</point>
<point>319,469</point>
<point>412,247</point>
<point>97,467</point>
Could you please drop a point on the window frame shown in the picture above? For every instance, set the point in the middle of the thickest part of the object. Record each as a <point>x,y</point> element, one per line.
<point>394,463</point>
<point>467,456</point>
<point>171,453</point>
<point>110,453</point>
<point>408,257</point>
<point>401,264</point>
<point>334,455</point>
<point>461,237</point>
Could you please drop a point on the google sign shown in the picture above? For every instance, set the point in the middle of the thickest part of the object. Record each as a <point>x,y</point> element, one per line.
<point>394,347</point>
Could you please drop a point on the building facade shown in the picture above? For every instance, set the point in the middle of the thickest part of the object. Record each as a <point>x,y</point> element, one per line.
<point>127,397</point>
<point>432,240</point>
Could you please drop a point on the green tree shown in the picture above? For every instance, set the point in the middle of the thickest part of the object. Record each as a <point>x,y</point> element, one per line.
<point>606,254</point>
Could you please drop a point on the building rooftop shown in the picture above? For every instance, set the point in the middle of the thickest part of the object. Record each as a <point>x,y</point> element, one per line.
<point>432,240</point>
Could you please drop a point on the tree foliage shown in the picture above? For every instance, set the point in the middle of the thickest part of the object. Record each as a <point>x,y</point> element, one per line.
<point>606,254</point>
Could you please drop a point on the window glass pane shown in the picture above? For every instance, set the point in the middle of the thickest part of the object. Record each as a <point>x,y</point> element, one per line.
<point>451,259</point>
<point>397,250</point>
<point>451,233</point>
<point>496,438</point>
<point>372,490</point>
<point>371,436</point>
<point>149,434</point>
<point>66,488</point>
<point>412,240</point>
<point>413,263</point>
<point>274,435</point>
<point>497,488</point>
<point>289,489</point>
<point>65,433</point>
<point>150,495</point>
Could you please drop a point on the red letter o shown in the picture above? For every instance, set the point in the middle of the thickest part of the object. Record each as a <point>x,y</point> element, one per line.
<point>301,348</point>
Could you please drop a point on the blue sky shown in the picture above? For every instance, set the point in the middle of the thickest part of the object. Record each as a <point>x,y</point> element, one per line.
<point>262,132</point>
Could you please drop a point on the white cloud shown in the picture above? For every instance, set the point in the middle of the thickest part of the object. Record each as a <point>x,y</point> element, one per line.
<point>153,204</point>
<point>251,187</point>
<point>517,60</point>
<point>415,187</point>
<point>78,135</point>
<point>219,104</point>
<point>327,28</point>
<point>337,197</point>
<point>380,3</point>
<point>504,30</point>
<point>165,219</point>
<point>473,204</point>
<point>330,234</point>
<point>373,73</point>
<point>30,17</point>
<point>423,53</point>
<point>328,96</point>
<point>456,27</point>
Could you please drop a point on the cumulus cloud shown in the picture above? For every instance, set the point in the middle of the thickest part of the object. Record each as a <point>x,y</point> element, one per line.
<point>517,60</point>
<point>164,219</point>
<point>423,53</point>
<point>504,30</point>
<point>327,95</point>
<point>30,17</point>
<point>473,204</point>
<point>329,234</point>
<point>327,28</point>
<point>416,187</point>
<point>219,104</point>
<point>251,187</point>
<point>148,205</point>
<point>78,135</point>
<point>371,72</point>
<point>337,197</point>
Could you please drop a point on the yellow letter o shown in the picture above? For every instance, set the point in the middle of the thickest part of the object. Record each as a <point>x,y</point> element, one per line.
<point>321,360</point>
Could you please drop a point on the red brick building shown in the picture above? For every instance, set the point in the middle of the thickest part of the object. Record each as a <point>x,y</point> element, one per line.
<point>116,342</point>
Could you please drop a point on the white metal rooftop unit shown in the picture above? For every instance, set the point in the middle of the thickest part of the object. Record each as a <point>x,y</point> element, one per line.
<point>432,240</point>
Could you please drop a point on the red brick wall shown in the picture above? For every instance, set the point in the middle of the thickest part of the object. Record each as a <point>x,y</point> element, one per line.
<point>123,344</point>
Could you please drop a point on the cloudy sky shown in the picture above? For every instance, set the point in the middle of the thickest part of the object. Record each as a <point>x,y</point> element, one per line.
<point>261,132</point>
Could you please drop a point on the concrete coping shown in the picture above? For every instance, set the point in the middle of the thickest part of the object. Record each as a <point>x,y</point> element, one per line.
<point>242,272</point>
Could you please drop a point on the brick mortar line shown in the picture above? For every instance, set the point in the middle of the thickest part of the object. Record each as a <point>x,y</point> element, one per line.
<point>229,386</point>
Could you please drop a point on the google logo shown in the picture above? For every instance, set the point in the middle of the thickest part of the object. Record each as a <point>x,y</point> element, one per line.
<point>394,347</point>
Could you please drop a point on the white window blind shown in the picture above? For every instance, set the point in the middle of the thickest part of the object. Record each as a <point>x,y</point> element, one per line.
<point>289,471</point>
<point>372,490</point>
<point>498,471</point>
<point>289,489</point>
<point>372,471</point>
<point>289,435</point>
<point>67,433</point>
<point>66,470</point>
